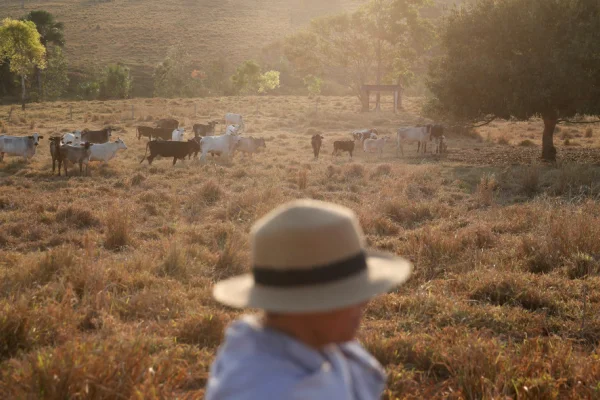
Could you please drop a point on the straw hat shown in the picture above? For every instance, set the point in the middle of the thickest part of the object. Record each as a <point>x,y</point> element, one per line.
<point>309,256</point>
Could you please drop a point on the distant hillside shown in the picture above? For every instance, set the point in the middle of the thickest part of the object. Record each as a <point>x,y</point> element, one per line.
<point>139,32</point>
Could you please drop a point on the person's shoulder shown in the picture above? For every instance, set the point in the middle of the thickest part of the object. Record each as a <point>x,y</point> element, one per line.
<point>251,376</point>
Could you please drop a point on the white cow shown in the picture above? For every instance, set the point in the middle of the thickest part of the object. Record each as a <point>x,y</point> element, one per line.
<point>250,145</point>
<point>106,151</point>
<point>375,145</point>
<point>23,146</point>
<point>223,145</point>
<point>419,134</point>
<point>232,130</point>
<point>441,146</point>
<point>234,119</point>
<point>72,137</point>
<point>178,134</point>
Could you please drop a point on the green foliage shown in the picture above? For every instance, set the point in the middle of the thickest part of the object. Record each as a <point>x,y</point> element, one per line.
<point>179,75</point>
<point>313,84</point>
<point>378,43</point>
<point>246,78</point>
<point>20,42</point>
<point>268,81</point>
<point>55,76</point>
<point>518,58</point>
<point>116,82</point>
<point>249,79</point>
<point>51,32</point>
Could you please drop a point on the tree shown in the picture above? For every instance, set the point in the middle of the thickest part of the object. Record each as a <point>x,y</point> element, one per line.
<point>268,81</point>
<point>55,76</point>
<point>249,79</point>
<point>116,82</point>
<point>179,75</point>
<point>519,59</point>
<point>313,84</point>
<point>51,33</point>
<point>20,42</point>
<point>377,42</point>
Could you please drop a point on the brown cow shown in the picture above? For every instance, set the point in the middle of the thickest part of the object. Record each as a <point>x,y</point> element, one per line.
<point>343,145</point>
<point>168,123</point>
<point>316,141</point>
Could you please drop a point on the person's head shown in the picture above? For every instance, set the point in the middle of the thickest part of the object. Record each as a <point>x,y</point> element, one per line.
<point>311,273</point>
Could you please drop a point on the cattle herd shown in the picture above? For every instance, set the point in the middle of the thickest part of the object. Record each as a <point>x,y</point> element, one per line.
<point>371,142</point>
<point>167,140</point>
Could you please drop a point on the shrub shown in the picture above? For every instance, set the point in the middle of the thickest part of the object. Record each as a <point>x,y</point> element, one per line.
<point>118,230</point>
<point>202,330</point>
<point>527,143</point>
<point>302,179</point>
<point>210,192</point>
<point>77,217</point>
<point>174,265</point>
<point>486,189</point>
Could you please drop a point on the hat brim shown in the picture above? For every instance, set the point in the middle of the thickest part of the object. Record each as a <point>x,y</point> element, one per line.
<point>383,273</point>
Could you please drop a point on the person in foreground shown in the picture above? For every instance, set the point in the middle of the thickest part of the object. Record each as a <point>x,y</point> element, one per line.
<point>312,277</point>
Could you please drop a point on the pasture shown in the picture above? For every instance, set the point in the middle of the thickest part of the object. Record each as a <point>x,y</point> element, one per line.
<point>105,280</point>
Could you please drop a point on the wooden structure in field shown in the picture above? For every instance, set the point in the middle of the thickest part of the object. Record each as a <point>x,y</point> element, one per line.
<point>368,89</point>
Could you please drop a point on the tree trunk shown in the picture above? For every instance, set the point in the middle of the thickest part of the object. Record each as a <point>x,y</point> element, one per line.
<point>38,73</point>
<point>548,149</point>
<point>23,92</point>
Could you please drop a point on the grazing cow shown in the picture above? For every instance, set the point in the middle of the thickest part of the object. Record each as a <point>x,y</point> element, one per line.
<point>106,151</point>
<point>375,145</point>
<point>167,123</point>
<point>250,145</point>
<point>234,119</point>
<point>419,134</point>
<point>145,131</point>
<point>178,134</point>
<point>72,138</point>
<point>343,145</point>
<point>177,150</point>
<point>233,130</point>
<point>55,143</point>
<point>23,146</point>
<point>205,129</point>
<point>220,145</point>
<point>78,154</point>
<point>316,141</point>
<point>101,136</point>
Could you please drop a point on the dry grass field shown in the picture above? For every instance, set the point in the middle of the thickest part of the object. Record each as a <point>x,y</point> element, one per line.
<point>105,280</point>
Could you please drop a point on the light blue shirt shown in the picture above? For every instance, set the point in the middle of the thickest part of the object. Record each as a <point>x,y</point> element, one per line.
<point>257,363</point>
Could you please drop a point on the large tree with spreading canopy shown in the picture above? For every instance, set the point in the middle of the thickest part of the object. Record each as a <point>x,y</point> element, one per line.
<point>20,43</point>
<point>518,59</point>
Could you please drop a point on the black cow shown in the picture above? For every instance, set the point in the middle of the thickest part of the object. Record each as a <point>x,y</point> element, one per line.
<point>101,136</point>
<point>205,129</point>
<point>316,141</point>
<point>167,123</point>
<point>177,150</point>
<point>343,145</point>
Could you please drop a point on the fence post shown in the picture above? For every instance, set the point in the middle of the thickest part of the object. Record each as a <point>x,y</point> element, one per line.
<point>12,108</point>
<point>132,113</point>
